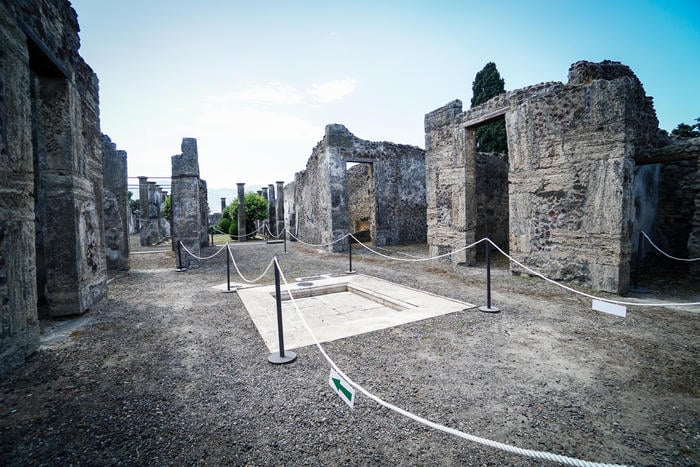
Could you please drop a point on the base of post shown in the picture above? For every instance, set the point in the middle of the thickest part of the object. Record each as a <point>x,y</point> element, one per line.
<point>230,291</point>
<point>350,272</point>
<point>275,358</point>
<point>180,269</point>
<point>489,309</point>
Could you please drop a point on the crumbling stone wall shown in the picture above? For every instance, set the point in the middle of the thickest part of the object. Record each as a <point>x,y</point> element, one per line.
<point>51,202</point>
<point>185,201</point>
<point>321,203</point>
<point>153,226</point>
<point>571,169</point>
<point>360,192</point>
<point>203,214</point>
<point>116,205</point>
<point>676,206</point>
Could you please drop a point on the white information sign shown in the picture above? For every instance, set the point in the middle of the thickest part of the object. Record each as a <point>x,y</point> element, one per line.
<point>607,307</point>
<point>342,388</point>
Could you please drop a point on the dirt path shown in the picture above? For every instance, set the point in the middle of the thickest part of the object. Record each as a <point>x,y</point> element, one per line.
<point>169,371</point>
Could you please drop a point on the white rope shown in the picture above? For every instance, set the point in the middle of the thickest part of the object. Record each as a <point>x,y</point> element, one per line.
<point>617,302</point>
<point>218,230</point>
<point>239,271</point>
<point>200,257</point>
<point>417,260</point>
<point>273,235</point>
<point>452,431</point>
<point>317,245</point>
<point>250,233</point>
<point>666,254</point>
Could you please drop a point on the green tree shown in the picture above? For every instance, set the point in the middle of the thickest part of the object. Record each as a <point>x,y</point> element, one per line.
<point>167,210</point>
<point>134,204</point>
<point>683,130</point>
<point>487,84</point>
<point>255,210</point>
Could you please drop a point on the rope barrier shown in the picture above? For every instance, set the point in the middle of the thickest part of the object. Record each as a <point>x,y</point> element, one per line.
<point>666,254</point>
<point>417,260</point>
<point>273,235</point>
<point>246,235</point>
<point>317,245</point>
<point>200,257</point>
<point>532,271</point>
<point>239,271</point>
<point>542,455</point>
<point>565,287</point>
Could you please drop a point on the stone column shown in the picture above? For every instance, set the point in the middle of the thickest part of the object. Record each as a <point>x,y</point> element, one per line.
<point>271,209</point>
<point>264,193</point>
<point>203,214</point>
<point>185,203</point>
<point>241,212</point>
<point>116,222</point>
<point>280,207</point>
<point>223,205</point>
<point>143,208</point>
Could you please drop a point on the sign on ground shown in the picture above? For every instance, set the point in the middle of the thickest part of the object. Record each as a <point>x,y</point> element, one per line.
<point>342,388</point>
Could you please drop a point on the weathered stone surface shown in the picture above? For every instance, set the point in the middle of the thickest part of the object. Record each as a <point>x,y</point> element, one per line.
<point>51,195</point>
<point>321,199</point>
<point>153,226</point>
<point>185,202</point>
<point>116,205</point>
<point>203,214</point>
<point>272,209</point>
<point>571,158</point>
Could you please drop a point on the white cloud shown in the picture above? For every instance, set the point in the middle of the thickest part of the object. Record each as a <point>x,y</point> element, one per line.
<point>332,90</point>
<point>272,92</point>
<point>249,124</point>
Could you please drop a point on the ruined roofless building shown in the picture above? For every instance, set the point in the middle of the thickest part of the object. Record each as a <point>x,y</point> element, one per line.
<point>52,255</point>
<point>579,185</point>
<point>352,185</point>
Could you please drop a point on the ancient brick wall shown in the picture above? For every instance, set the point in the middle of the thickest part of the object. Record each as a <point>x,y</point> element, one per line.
<point>360,193</point>
<point>676,206</point>
<point>321,201</point>
<point>116,205</point>
<point>571,171</point>
<point>51,202</point>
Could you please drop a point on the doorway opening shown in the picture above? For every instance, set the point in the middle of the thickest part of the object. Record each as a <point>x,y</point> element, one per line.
<point>361,200</point>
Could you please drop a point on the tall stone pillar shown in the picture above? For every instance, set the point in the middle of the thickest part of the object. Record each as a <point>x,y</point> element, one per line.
<point>116,204</point>
<point>185,203</point>
<point>203,214</point>
<point>280,207</point>
<point>223,205</point>
<point>264,193</point>
<point>144,209</point>
<point>271,209</point>
<point>241,212</point>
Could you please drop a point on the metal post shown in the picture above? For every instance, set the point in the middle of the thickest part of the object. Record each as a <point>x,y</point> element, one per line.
<point>350,271</point>
<point>228,268</point>
<point>179,257</point>
<point>488,308</point>
<point>284,232</point>
<point>280,357</point>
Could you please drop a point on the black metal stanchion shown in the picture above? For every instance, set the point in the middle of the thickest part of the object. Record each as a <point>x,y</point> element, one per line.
<point>280,357</point>
<point>179,257</point>
<point>350,271</point>
<point>284,232</point>
<point>488,308</point>
<point>228,270</point>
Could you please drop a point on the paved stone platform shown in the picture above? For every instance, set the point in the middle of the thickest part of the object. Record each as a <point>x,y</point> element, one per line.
<point>338,307</point>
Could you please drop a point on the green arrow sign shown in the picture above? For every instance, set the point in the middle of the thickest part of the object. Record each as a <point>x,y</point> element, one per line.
<point>340,386</point>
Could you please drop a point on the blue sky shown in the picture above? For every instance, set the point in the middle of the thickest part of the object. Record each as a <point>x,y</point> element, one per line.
<point>257,81</point>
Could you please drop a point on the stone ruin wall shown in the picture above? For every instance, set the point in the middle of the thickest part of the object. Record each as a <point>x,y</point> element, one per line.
<point>360,193</point>
<point>153,227</point>
<point>320,196</point>
<point>571,172</point>
<point>676,204</point>
<point>189,203</point>
<point>116,205</point>
<point>51,154</point>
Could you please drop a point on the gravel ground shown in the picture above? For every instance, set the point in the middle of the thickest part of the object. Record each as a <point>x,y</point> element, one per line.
<point>168,371</point>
